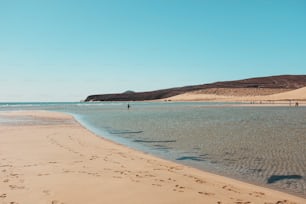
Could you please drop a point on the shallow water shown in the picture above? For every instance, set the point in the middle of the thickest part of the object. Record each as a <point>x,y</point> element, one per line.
<point>262,145</point>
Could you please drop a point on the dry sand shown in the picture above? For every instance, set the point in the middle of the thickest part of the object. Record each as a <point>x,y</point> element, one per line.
<point>281,96</point>
<point>52,159</point>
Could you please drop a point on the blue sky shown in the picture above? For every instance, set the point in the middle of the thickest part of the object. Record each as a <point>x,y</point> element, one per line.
<point>64,50</point>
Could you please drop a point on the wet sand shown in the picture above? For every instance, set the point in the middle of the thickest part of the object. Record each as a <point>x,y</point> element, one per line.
<point>47,157</point>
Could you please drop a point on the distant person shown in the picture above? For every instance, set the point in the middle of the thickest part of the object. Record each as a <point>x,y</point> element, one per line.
<point>128,106</point>
<point>297,104</point>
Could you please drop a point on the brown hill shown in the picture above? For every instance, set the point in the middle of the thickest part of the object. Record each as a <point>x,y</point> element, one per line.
<point>277,83</point>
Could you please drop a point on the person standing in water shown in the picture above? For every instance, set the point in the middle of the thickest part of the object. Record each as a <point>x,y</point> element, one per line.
<point>128,106</point>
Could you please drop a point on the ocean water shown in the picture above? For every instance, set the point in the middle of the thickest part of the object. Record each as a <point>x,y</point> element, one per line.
<point>261,145</point>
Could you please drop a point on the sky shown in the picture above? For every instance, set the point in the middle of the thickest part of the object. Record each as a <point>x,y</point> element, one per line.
<point>65,50</point>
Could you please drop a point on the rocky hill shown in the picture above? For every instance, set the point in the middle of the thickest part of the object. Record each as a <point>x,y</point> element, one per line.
<point>272,82</point>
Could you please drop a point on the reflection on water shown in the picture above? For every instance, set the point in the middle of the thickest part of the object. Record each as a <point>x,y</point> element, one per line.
<point>257,144</point>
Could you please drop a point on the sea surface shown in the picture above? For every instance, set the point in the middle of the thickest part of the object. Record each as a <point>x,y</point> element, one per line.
<point>261,145</point>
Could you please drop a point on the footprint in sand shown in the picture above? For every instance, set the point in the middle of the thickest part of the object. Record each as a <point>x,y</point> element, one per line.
<point>284,202</point>
<point>179,188</point>
<point>257,194</point>
<point>3,195</point>
<point>170,179</point>
<point>46,174</point>
<point>56,202</point>
<point>6,180</point>
<point>200,181</point>
<point>230,188</point>
<point>207,194</point>
<point>93,157</point>
<point>47,192</point>
<point>159,180</point>
<point>13,187</point>
<point>243,202</point>
<point>14,175</point>
<point>30,165</point>
<point>6,165</point>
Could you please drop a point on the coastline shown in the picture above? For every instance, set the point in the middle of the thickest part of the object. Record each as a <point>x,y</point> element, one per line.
<point>53,159</point>
<point>257,97</point>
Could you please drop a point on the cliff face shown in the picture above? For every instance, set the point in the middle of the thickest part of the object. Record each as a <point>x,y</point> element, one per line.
<point>272,82</point>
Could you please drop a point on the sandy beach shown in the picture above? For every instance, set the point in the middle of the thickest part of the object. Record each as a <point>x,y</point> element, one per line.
<point>280,97</point>
<point>48,157</point>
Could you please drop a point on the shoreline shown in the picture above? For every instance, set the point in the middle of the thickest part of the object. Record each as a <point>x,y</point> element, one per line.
<point>236,102</point>
<point>78,166</point>
<point>138,148</point>
<point>254,96</point>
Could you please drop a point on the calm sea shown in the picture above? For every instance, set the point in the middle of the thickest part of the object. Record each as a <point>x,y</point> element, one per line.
<point>261,145</point>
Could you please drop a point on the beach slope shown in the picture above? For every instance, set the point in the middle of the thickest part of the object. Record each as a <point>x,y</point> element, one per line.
<point>243,95</point>
<point>48,157</point>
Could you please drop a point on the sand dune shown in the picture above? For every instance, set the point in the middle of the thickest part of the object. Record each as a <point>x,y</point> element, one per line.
<point>298,94</point>
<point>243,95</point>
<point>48,158</point>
